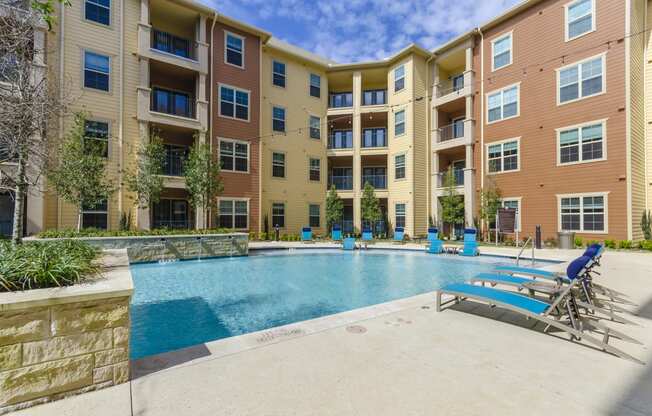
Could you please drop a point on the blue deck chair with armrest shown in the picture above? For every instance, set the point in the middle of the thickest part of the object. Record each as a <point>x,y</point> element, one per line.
<point>399,234</point>
<point>551,314</point>
<point>306,234</point>
<point>367,235</point>
<point>470,244</point>
<point>336,233</point>
<point>348,243</point>
<point>435,245</point>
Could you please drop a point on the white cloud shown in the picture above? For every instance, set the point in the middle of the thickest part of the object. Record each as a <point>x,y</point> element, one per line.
<point>357,30</point>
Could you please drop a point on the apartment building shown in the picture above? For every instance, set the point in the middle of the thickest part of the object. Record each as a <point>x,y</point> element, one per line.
<point>545,102</point>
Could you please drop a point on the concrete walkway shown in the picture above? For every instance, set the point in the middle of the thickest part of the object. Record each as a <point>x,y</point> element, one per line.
<point>401,358</point>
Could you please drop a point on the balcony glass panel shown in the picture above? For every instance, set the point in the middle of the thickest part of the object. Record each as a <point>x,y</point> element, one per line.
<point>341,139</point>
<point>377,177</point>
<point>374,97</point>
<point>341,178</point>
<point>376,137</point>
<point>340,99</point>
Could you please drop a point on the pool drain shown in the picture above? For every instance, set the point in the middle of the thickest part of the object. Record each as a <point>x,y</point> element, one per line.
<point>356,329</point>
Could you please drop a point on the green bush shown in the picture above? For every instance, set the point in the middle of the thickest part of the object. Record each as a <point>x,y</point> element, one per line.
<point>94,232</point>
<point>34,265</point>
<point>610,243</point>
<point>578,242</point>
<point>589,243</point>
<point>550,242</point>
<point>645,245</point>
<point>625,244</point>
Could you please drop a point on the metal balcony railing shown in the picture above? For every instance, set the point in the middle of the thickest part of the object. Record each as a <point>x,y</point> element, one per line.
<point>341,140</point>
<point>172,102</point>
<point>377,181</point>
<point>342,183</point>
<point>450,86</point>
<point>175,159</point>
<point>457,173</point>
<point>175,45</point>
<point>450,132</point>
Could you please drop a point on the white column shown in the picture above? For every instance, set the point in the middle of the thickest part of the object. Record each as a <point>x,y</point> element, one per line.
<point>143,217</point>
<point>435,181</point>
<point>357,159</point>
<point>144,12</point>
<point>469,188</point>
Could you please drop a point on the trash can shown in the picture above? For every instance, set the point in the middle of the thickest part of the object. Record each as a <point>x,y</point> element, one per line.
<point>566,239</point>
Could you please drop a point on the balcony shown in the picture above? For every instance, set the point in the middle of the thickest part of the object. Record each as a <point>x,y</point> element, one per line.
<point>175,103</point>
<point>377,181</point>
<point>341,183</point>
<point>440,182</point>
<point>340,100</point>
<point>459,133</point>
<point>175,158</point>
<point>374,98</point>
<point>172,108</point>
<point>374,137</point>
<point>454,88</point>
<point>174,45</point>
<point>340,139</point>
<point>165,47</point>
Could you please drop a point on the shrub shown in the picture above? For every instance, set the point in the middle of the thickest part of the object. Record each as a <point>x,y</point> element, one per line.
<point>610,243</point>
<point>625,244</point>
<point>645,245</point>
<point>550,242</point>
<point>34,264</point>
<point>588,243</point>
<point>94,232</point>
<point>252,236</point>
<point>578,242</point>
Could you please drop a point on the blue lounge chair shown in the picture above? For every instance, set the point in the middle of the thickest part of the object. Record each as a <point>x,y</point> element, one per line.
<point>348,243</point>
<point>547,313</point>
<point>470,243</point>
<point>306,234</point>
<point>336,233</point>
<point>367,235</point>
<point>399,233</point>
<point>435,246</point>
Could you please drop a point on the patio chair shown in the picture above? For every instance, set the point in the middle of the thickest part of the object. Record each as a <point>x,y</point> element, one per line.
<point>367,234</point>
<point>563,306</point>
<point>470,243</point>
<point>336,233</point>
<point>399,234</point>
<point>306,234</point>
<point>348,243</point>
<point>435,246</point>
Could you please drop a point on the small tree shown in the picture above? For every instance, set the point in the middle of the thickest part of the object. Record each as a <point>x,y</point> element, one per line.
<point>646,225</point>
<point>369,205</point>
<point>46,9</point>
<point>452,204</point>
<point>203,179</point>
<point>146,181</point>
<point>79,174</point>
<point>490,202</point>
<point>334,208</point>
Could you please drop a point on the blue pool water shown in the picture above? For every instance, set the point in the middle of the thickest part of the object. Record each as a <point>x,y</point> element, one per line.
<point>180,304</point>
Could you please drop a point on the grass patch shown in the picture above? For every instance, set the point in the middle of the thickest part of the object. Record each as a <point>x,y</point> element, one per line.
<point>34,265</point>
<point>93,232</point>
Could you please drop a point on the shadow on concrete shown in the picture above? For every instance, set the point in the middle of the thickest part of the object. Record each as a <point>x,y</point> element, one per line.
<point>637,399</point>
<point>645,311</point>
<point>154,363</point>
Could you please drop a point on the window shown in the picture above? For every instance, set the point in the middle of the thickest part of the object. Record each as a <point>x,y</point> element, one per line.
<point>399,167</point>
<point>313,214</point>
<point>234,49</point>
<point>7,153</point>
<point>96,71</point>
<point>278,214</point>
<point>503,104</point>
<point>581,80</point>
<point>503,157</point>
<point>315,85</point>
<point>278,165</point>
<point>583,213</point>
<point>373,97</point>
<point>278,74</point>
<point>171,213</point>
<point>96,137</point>
<point>233,214</point>
<point>399,78</point>
<point>175,159</point>
<point>341,99</point>
<point>172,102</point>
<point>278,119</point>
<point>98,11</point>
<point>315,127</point>
<point>399,215</point>
<point>234,155</point>
<point>374,137</point>
<point>234,103</point>
<point>458,127</point>
<point>169,43</point>
<point>516,205</point>
<point>315,170</point>
<point>458,82</point>
<point>501,55</point>
<point>581,144</point>
<point>580,18</point>
<point>341,139</point>
<point>376,176</point>
<point>95,216</point>
<point>399,123</point>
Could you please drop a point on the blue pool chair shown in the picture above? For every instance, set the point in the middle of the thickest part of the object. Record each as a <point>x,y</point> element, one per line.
<point>367,235</point>
<point>348,243</point>
<point>336,233</point>
<point>306,234</point>
<point>433,234</point>
<point>470,243</point>
<point>562,305</point>
<point>399,234</point>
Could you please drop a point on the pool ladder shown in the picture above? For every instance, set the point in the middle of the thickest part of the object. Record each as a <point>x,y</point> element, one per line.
<point>518,256</point>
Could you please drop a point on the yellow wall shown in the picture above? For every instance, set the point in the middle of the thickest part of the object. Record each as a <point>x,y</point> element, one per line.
<point>637,117</point>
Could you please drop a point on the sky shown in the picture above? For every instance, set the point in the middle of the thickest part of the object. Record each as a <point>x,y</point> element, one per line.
<point>359,30</point>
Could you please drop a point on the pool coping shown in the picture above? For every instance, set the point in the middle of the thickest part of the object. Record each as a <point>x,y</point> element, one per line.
<point>220,348</point>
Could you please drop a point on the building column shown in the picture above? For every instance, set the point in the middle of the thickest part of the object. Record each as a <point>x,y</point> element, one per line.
<point>469,187</point>
<point>357,159</point>
<point>143,220</point>
<point>144,12</point>
<point>435,181</point>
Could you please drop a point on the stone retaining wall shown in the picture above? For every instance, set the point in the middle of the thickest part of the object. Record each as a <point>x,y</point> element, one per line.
<point>64,341</point>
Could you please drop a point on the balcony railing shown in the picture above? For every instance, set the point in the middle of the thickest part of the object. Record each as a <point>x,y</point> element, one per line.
<point>374,137</point>
<point>175,45</point>
<point>450,132</point>
<point>457,173</point>
<point>450,86</point>
<point>340,100</point>
<point>374,97</point>
<point>341,183</point>
<point>377,181</point>
<point>175,158</point>
<point>342,139</point>
<point>172,102</point>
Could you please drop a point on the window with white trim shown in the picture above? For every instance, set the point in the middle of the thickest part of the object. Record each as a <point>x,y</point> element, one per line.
<point>96,216</point>
<point>98,11</point>
<point>514,204</point>
<point>97,70</point>
<point>503,104</point>
<point>581,80</point>
<point>399,167</point>
<point>581,144</point>
<point>501,48</point>
<point>315,127</point>
<point>234,103</point>
<point>278,74</point>
<point>580,18</point>
<point>502,157</point>
<point>314,170</point>
<point>399,215</point>
<point>96,137</point>
<point>234,155</point>
<point>278,214</point>
<point>399,123</point>
<point>234,49</point>
<point>399,78</point>
<point>278,119</point>
<point>315,85</point>
<point>233,213</point>
<point>313,215</point>
<point>278,165</point>
<point>583,213</point>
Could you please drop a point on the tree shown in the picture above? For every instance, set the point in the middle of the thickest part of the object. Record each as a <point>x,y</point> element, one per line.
<point>46,9</point>
<point>79,174</point>
<point>452,204</point>
<point>646,225</point>
<point>490,202</point>
<point>203,179</point>
<point>146,181</point>
<point>369,205</point>
<point>334,208</point>
<point>27,104</point>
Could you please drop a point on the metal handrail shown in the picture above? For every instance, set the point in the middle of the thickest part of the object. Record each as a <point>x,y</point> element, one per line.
<point>518,256</point>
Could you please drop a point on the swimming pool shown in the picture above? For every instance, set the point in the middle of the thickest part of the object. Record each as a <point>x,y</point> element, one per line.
<point>180,304</point>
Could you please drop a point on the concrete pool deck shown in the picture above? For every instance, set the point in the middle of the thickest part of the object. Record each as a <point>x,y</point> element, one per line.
<point>399,358</point>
